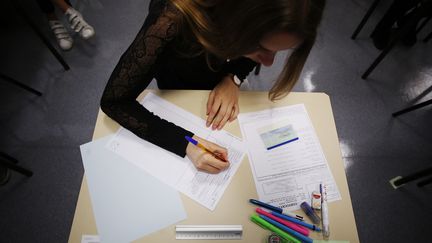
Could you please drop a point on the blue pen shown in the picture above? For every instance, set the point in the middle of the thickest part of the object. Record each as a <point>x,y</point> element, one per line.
<point>290,231</point>
<point>199,145</point>
<point>310,226</point>
<point>276,209</point>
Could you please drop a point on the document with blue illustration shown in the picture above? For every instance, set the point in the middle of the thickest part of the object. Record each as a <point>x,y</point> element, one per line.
<point>287,174</point>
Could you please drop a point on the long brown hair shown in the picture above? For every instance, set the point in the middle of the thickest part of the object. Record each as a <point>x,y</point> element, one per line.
<point>232,28</point>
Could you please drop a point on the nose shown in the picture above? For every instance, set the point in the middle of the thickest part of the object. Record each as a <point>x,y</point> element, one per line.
<point>266,58</point>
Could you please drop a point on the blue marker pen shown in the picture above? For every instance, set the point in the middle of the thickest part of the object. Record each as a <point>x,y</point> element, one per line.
<point>309,226</point>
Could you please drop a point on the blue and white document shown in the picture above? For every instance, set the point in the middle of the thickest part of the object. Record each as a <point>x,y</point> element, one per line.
<point>288,173</point>
<point>277,134</point>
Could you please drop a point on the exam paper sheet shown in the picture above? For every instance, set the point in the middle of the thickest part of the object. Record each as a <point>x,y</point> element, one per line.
<point>180,173</point>
<point>287,175</point>
<point>126,201</point>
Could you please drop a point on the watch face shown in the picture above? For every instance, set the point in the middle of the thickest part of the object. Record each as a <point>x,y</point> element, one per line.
<point>237,80</point>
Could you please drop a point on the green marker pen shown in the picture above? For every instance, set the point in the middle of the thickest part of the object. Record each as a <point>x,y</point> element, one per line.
<point>266,225</point>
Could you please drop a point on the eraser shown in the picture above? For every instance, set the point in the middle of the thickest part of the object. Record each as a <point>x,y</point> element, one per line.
<point>316,200</point>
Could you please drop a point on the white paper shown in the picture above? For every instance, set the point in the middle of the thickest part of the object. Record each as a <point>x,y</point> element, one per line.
<point>90,239</point>
<point>128,203</point>
<point>180,173</point>
<point>287,175</point>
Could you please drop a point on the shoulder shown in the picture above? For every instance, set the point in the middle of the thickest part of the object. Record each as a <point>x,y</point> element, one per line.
<point>163,19</point>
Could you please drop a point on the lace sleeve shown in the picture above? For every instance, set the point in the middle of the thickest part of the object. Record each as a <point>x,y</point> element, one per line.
<point>131,76</point>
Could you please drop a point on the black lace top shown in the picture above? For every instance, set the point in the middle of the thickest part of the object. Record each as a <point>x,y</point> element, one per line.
<point>153,55</point>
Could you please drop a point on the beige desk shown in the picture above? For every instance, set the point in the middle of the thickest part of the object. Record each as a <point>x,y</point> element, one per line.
<point>234,207</point>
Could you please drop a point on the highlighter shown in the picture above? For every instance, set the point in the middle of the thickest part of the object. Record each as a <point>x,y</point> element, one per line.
<point>266,225</point>
<point>310,212</point>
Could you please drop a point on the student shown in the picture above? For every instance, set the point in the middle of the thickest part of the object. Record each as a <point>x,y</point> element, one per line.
<point>75,19</point>
<point>212,45</point>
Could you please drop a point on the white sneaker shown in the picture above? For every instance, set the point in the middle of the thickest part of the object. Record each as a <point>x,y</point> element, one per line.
<point>79,25</point>
<point>64,40</point>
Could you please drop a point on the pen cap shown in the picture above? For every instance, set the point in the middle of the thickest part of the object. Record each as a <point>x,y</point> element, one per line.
<point>316,200</point>
<point>310,213</point>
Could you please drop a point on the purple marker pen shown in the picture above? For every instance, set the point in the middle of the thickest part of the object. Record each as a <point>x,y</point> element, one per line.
<point>310,213</point>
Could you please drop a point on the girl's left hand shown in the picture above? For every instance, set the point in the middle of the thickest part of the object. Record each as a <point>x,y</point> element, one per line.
<point>222,104</point>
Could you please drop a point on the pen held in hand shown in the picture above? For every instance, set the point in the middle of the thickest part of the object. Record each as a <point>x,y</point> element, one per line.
<point>199,145</point>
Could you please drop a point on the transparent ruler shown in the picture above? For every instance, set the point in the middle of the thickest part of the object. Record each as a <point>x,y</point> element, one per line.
<point>209,232</point>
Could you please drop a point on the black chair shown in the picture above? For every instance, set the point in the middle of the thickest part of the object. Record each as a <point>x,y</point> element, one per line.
<point>421,10</point>
<point>412,108</point>
<point>416,106</point>
<point>400,181</point>
<point>9,162</point>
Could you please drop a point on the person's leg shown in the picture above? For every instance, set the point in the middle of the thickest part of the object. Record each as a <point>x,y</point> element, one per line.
<point>76,20</point>
<point>64,40</point>
<point>382,31</point>
<point>46,6</point>
<point>62,5</point>
<point>415,16</point>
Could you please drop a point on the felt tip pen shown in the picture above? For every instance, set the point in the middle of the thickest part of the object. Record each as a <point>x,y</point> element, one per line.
<point>309,226</point>
<point>276,209</point>
<point>288,230</point>
<point>310,212</point>
<point>266,225</point>
<point>199,145</point>
<point>324,211</point>
<point>297,228</point>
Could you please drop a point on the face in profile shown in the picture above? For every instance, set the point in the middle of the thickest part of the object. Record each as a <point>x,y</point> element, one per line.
<point>271,44</point>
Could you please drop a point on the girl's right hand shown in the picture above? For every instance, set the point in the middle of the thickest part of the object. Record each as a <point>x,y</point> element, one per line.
<point>205,161</point>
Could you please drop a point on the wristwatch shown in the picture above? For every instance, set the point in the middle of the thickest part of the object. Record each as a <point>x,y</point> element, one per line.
<point>237,81</point>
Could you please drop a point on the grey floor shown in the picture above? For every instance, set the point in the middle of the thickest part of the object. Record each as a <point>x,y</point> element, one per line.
<point>44,133</point>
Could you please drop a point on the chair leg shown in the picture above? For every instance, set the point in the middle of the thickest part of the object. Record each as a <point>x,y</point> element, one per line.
<point>412,108</point>
<point>365,19</point>
<point>424,182</point>
<point>11,163</point>
<point>39,33</point>
<point>428,37</point>
<point>399,181</point>
<point>378,59</point>
<point>423,24</point>
<point>8,157</point>
<point>19,84</point>
<point>400,33</point>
